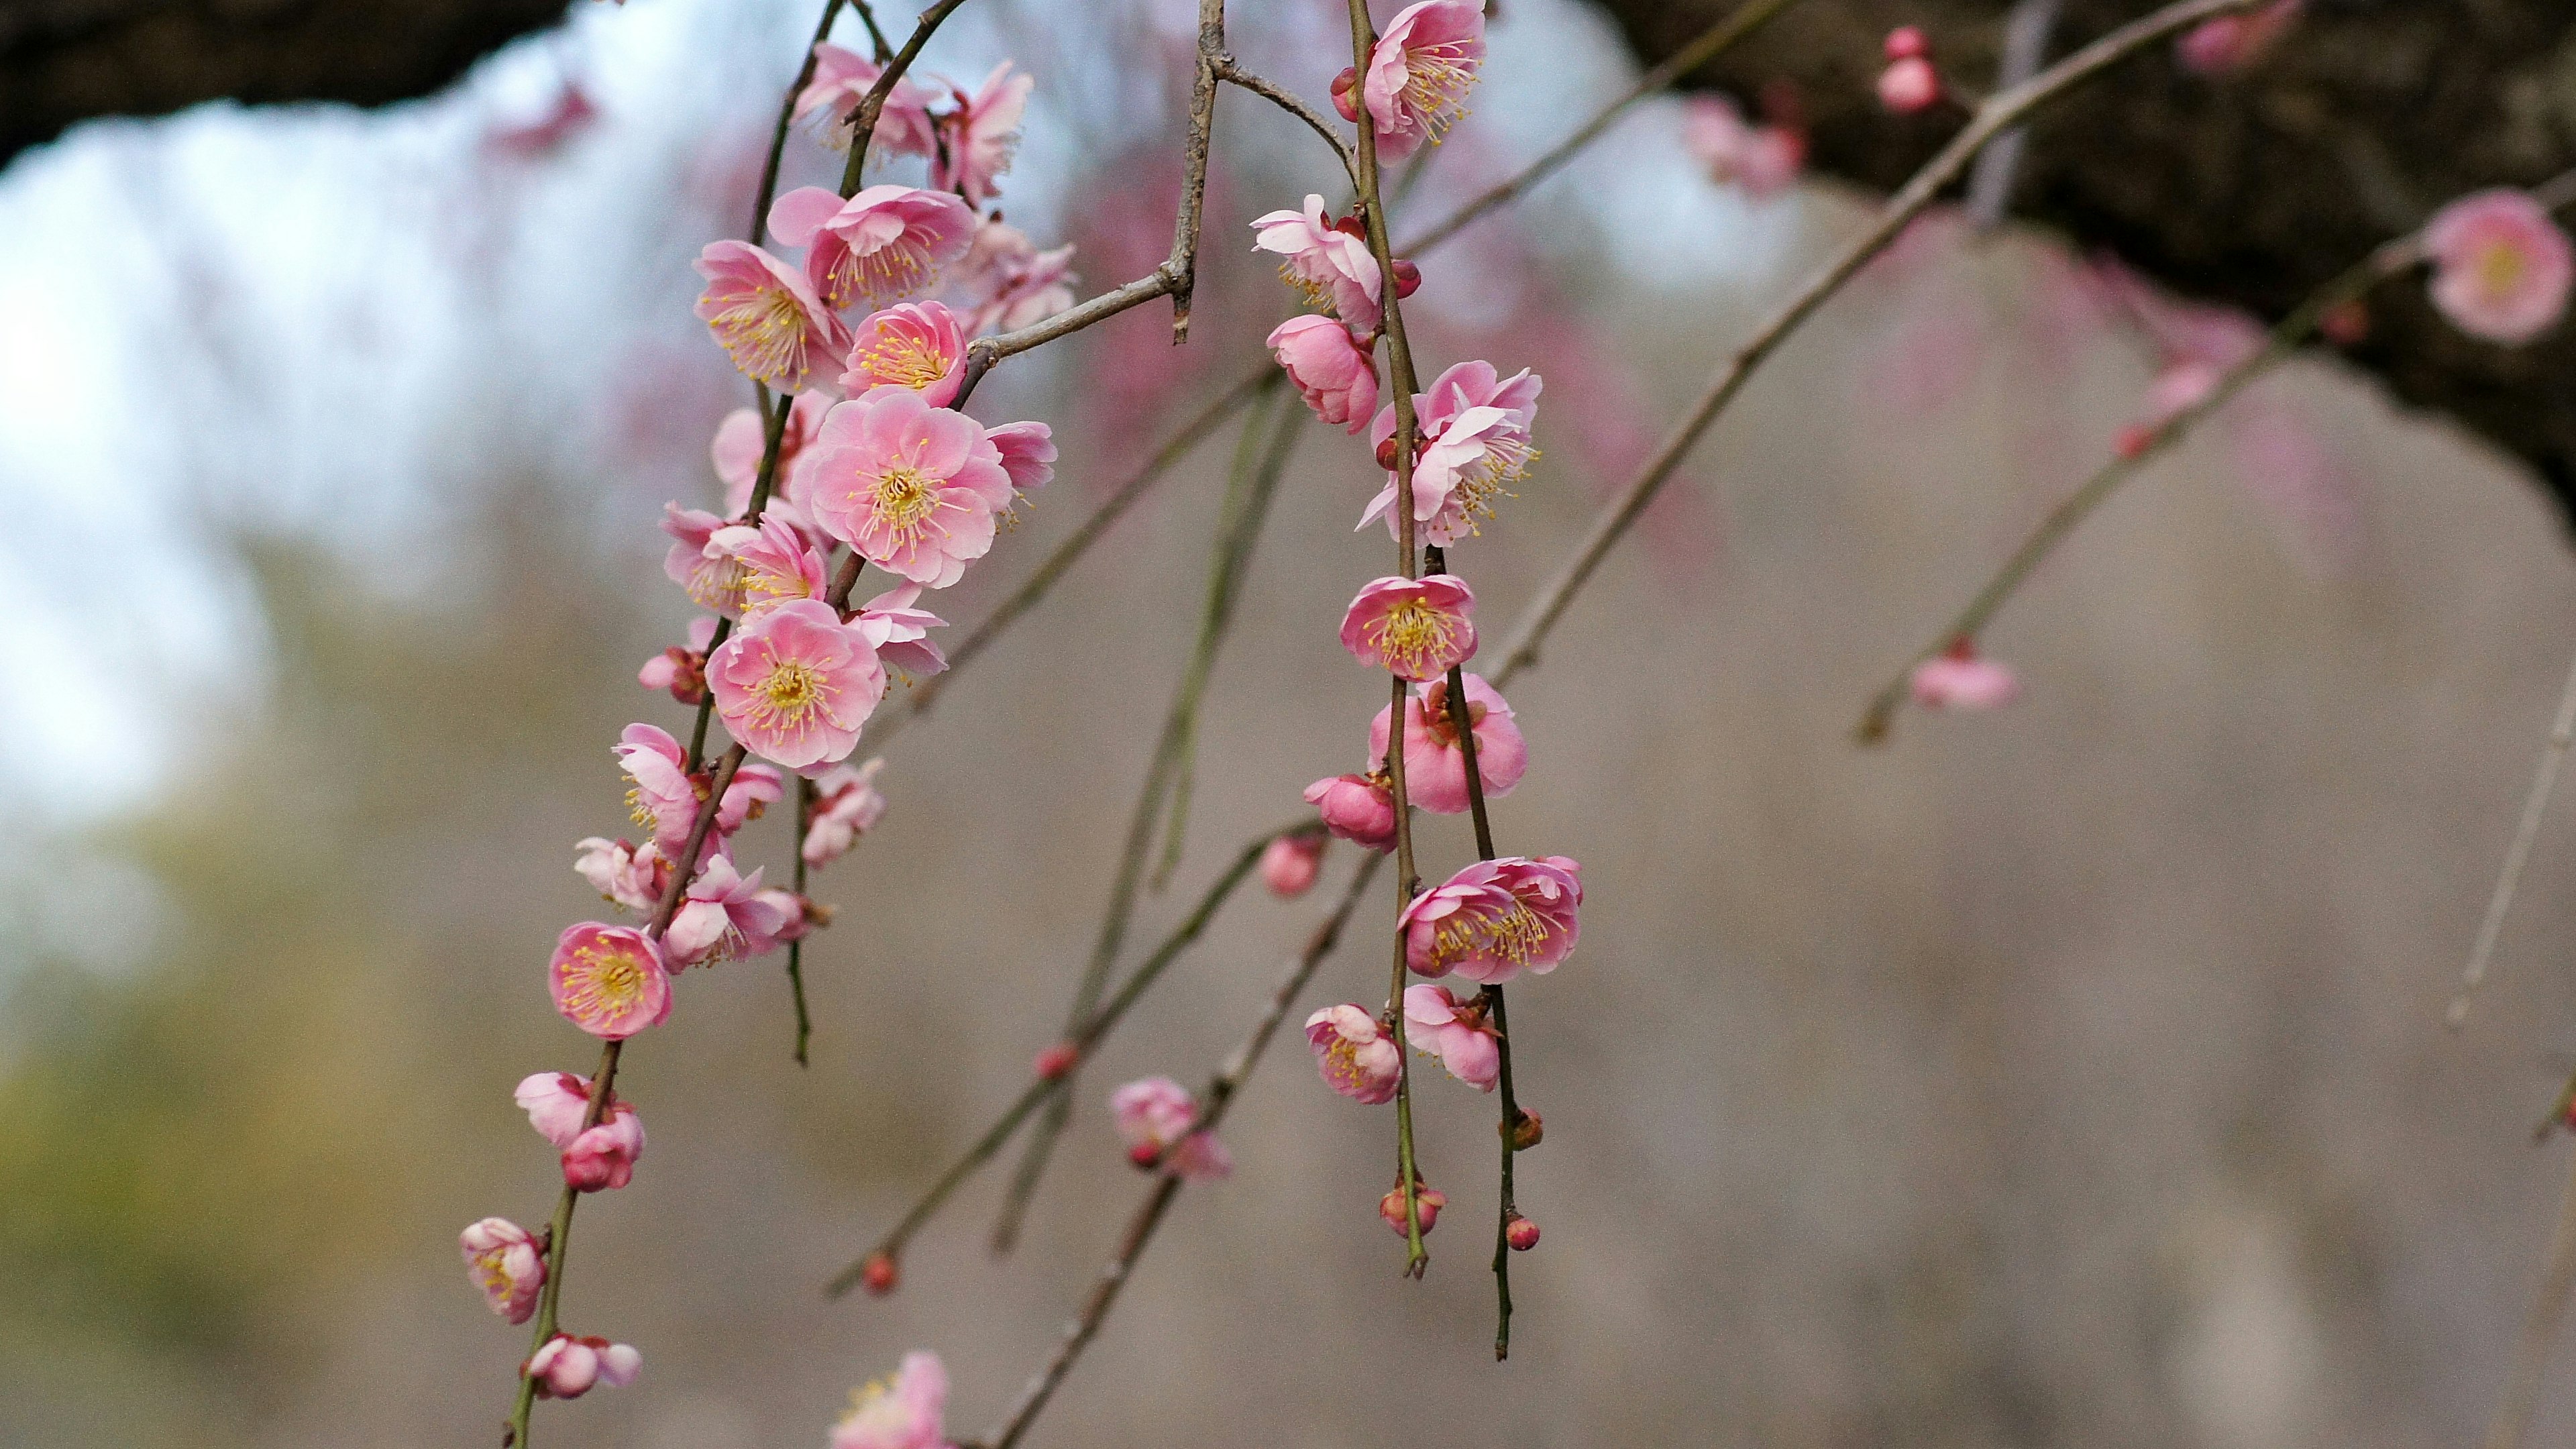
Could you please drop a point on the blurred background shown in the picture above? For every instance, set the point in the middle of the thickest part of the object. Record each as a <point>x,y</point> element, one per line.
<point>2068,1075</point>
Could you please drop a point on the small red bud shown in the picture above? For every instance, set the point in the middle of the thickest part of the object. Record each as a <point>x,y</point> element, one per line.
<point>878,1275</point>
<point>1144,1155</point>
<point>2133,440</point>
<point>1521,1233</point>
<point>1386,454</point>
<point>1526,1132</point>
<point>2346,324</point>
<point>1055,1061</point>
<point>1428,1200</point>
<point>1343,84</point>
<point>1907,42</point>
<point>1408,277</point>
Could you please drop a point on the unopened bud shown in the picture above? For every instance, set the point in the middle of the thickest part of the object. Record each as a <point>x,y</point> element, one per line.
<point>1907,42</point>
<point>1343,85</point>
<point>1521,1233</point>
<point>1145,1155</point>
<point>1408,278</point>
<point>1525,1131</point>
<point>1386,453</point>
<point>1909,85</point>
<point>1428,1201</point>
<point>1055,1061</point>
<point>878,1275</point>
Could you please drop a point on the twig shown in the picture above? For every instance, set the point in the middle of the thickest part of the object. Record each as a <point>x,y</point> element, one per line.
<point>1228,70</point>
<point>759,228</point>
<point>876,37</point>
<point>796,948</point>
<point>863,121</point>
<point>2539,1328</point>
<point>1194,166</point>
<point>2535,803</point>
<point>1990,186</point>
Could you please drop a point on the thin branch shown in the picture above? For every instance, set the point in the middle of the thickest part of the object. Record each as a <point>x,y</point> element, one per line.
<point>876,37</point>
<point>1194,166</point>
<point>1228,70</point>
<point>2539,1329</point>
<point>863,121</point>
<point>2535,804</point>
<point>796,948</point>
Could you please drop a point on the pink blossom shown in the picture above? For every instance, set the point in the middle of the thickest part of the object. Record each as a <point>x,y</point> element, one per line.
<point>1157,1118</point>
<point>1005,282</point>
<point>772,564</point>
<point>1764,160</point>
<point>681,670</point>
<point>1335,375</point>
<point>507,1265</point>
<point>666,797</point>
<point>2501,266</point>
<point>1028,454</point>
<point>798,915</point>
<point>566,1367</point>
<point>1435,766</point>
<point>1959,679</point>
<point>2233,42</point>
<point>743,437</point>
<point>795,683</point>
<point>724,917</point>
<point>1455,1032</point>
<point>913,488</point>
<point>1358,808</point>
<point>1495,919</point>
<point>847,806</point>
<point>914,345</point>
<point>711,578</point>
<point>1909,85</point>
<point>608,980</point>
<point>633,879</point>
<point>886,243</point>
<point>1330,267</point>
<point>1420,73</point>
<point>1427,1203</point>
<point>767,318</point>
<point>1290,864</point>
<point>1413,628</point>
<point>602,1158</point>
<point>557,1104</point>
<point>1355,1057</point>
<point>1472,441</point>
<point>904,1414</point>
<point>982,133</point>
<point>841,80</point>
<point>900,633</point>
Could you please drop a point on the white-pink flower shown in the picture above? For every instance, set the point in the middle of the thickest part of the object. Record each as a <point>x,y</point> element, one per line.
<point>1158,1119</point>
<point>847,805</point>
<point>1335,375</point>
<point>981,135</point>
<point>1413,628</point>
<point>608,980</point>
<point>1290,864</point>
<point>841,80</point>
<point>913,488</point>
<point>795,683</point>
<point>711,579</point>
<point>768,318</point>
<point>557,1104</point>
<point>566,1367</point>
<point>633,879</point>
<point>914,345</point>
<point>772,564</point>
<point>2233,42</point>
<point>725,916</point>
<point>2501,266</point>
<point>1419,75</point>
<point>1960,679</point>
<point>900,633</point>
<point>1005,282</point>
<point>884,244</point>
<point>1495,919</point>
<point>1329,266</point>
<point>507,1265</point>
<point>1763,159</point>
<point>1456,1032</point>
<point>1355,1058</point>
<point>681,670</point>
<point>666,796</point>
<point>740,440</point>
<point>1435,764</point>
<point>1472,441</point>
<point>906,1413</point>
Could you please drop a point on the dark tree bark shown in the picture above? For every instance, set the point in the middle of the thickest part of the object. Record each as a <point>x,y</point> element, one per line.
<point>2252,188</point>
<point>63,61</point>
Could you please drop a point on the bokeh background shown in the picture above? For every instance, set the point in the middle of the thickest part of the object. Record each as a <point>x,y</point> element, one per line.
<point>2070,1075</point>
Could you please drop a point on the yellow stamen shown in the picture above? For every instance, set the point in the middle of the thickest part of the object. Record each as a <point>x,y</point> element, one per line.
<point>905,503</point>
<point>908,361</point>
<point>765,333</point>
<point>898,269</point>
<point>1436,82</point>
<point>1412,635</point>
<point>603,982</point>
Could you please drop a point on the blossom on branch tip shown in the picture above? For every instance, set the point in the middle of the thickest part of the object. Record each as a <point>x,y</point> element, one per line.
<point>1763,159</point>
<point>882,245</point>
<point>507,1264</point>
<point>1055,1062</point>
<point>1455,1032</point>
<point>768,318</point>
<point>1412,628</point>
<point>1419,75</point>
<point>918,345</point>
<point>1327,265</point>
<point>913,488</point>
<point>795,684</point>
<point>1435,764</point>
<point>1333,374</point>
<point>1495,919</point>
<point>1472,440</point>
<point>724,917</point>
<point>1290,864</point>
<point>1960,679</point>
<point>602,1158</point>
<point>879,1274</point>
<point>1355,1058</point>
<point>846,806</point>
<point>1358,808</point>
<point>2501,266</point>
<point>1158,1120</point>
<point>609,980</point>
<point>567,1367</point>
<point>1005,282</point>
<point>1427,1202</point>
<point>906,1413</point>
<point>842,78</point>
<point>981,135</point>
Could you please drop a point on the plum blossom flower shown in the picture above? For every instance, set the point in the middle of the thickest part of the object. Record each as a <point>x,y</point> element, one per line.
<point>900,633</point>
<point>1427,1203</point>
<point>681,670</point>
<point>602,1158</point>
<point>842,78</point>
<point>768,318</point>
<point>1472,442</point>
<point>2501,266</point>
<point>1158,1116</point>
<point>609,980</point>
<point>1330,267</point>
<point>1336,377</point>
<point>566,1367</point>
<point>631,878</point>
<point>1028,454</point>
<point>1456,1032</point>
<point>724,917</point>
<point>772,564</point>
<point>1358,808</point>
<point>904,1414</point>
<point>884,244</point>
<point>1412,628</point>
<point>1419,75</point>
<point>666,796</point>
<point>1290,864</point>
<point>795,683</point>
<point>911,344</point>
<point>847,805</point>
<point>1355,1057</point>
<point>711,579</point>
<point>557,1104</point>
<point>913,488</point>
<point>982,134</point>
<point>1495,919</point>
<point>2233,42</point>
<point>1521,1233</point>
<point>1959,679</point>
<point>1763,159</point>
<point>507,1265</point>
<point>1005,282</point>
<point>1909,84</point>
<point>1435,766</point>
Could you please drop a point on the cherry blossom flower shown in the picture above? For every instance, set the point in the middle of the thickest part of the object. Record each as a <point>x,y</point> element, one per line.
<point>1290,864</point>
<point>1327,265</point>
<point>1158,1116</point>
<point>1763,159</point>
<point>1473,440</point>
<point>557,1104</point>
<point>566,1367</point>
<point>1005,282</point>
<point>842,78</point>
<point>2501,266</point>
<point>507,1265</point>
<point>1959,679</point>
<point>914,345</point>
<point>1335,375</point>
<point>913,488</point>
<point>900,633</point>
<point>882,245</point>
<point>1456,1032</point>
<point>982,134</point>
<point>666,797</point>
<point>1427,1203</point>
<point>724,917</point>
<point>681,670</point>
<point>904,1414</point>
<point>795,683</point>
<point>1495,919</point>
<point>1028,454</point>
<point>1355,1057</point>
<point>741,439</point>
<point>772,564</point>
<point>768,318</point>
<point>608,980</point>
<point>1435,767</point>
<point>2233,42</point>
<point>847,806</point>
<point>1412,628</point>
<point>1419,75</point>
<point>602,1158</point>
<point>1358,808</point>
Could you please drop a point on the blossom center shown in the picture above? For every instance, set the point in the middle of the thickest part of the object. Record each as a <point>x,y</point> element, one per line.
<point>1436,81</point>
<point>793,690</point>
<point>897,269</point>
<point>1413,634</point>
<point>905,500</point>
<point>765,331</point>
<point>605,982</point>
<point>909,361</point>
<point>2500,268</point>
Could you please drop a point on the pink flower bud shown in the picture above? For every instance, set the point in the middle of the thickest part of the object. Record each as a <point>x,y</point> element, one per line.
<point>1356,808</point>
<point>567,1367</point>
<point>1052,1063</point>
<point>1909,86</point>
<point>1907,42</point>
<point>1343,100</point>
<point>507,1264</point>
<point>1355,1058</point>
<point>1144,1155</point>
<point>557,1103</point>
<point>879,1275</point>
<point>1159,1120</point>
<point>1336,378</point>
<point>1521,1233</point>
<point>603,1157</point>
<point>1428,1201</point>
<point>1290,864</point>
<point>2133,441</point>
<point>683,672</point>
<point>1959,679</point>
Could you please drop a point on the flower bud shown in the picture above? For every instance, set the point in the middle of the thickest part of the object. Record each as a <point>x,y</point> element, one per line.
<point>1386,453</point>
<point>1525,1131</point>
<point>2347,323</point>
<point>1052,1063</point>
<point>1909,86</point>
<point>1907,42</point>
<point>879,1274</point>
<point>683,672</point>
<point>1408,278</point>
<point>1428,1201</point>
<point>1290,864</point>
<point>1521,1233</point>
<point>1144,1155</point>
<point>1343,100</point>
<point>2133,441</point>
